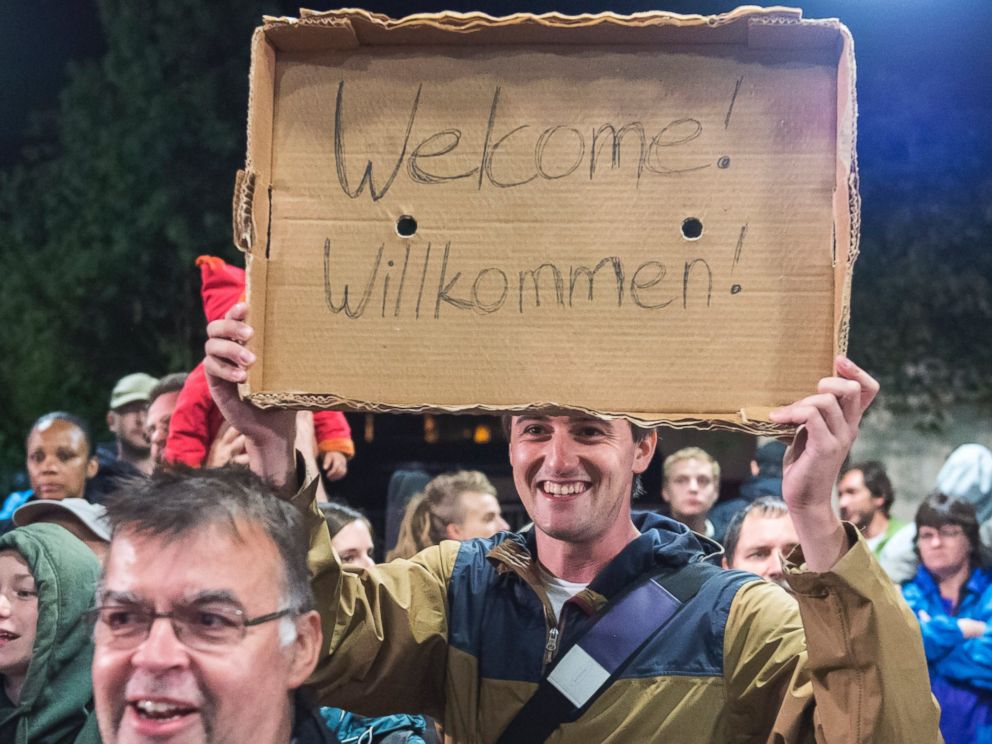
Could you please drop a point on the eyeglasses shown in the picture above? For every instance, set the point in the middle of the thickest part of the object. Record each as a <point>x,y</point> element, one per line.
<point>201,628</point>
<point>947,532</point>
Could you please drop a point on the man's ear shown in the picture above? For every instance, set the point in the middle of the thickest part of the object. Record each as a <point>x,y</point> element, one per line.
<point>112,421</point>
<point>306,648</point>
<point>92,467</point>
<point>453,532</point>
<point>644,451</point>
<point>723,561</point>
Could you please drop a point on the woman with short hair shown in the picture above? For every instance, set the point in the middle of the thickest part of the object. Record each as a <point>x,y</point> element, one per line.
<point>951,596</point>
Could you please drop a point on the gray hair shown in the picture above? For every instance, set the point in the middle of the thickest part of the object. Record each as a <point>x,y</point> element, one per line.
<point>178,501</point>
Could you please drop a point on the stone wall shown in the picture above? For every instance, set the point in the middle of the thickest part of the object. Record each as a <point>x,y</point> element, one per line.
<point>913,458</point>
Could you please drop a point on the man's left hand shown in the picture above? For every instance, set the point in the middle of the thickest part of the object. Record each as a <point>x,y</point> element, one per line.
<point>828,425</point>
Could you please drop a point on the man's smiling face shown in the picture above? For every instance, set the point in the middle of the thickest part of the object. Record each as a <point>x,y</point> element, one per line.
<point>162,690</point>
<point>574,474</point>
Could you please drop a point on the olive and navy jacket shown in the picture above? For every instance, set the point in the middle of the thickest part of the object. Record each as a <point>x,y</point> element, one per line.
<point>464,631</point>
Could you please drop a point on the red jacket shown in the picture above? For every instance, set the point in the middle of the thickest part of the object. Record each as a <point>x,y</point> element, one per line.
<point>196,419</point>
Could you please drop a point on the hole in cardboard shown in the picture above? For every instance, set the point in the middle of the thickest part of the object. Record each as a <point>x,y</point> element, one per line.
<point>406,226</point>
<point>692,228</point>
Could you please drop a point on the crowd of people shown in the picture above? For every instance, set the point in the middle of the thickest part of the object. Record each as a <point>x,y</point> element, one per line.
<point>190,583</point>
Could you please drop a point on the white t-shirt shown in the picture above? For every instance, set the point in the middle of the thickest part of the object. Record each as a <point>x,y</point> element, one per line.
<point>559,591</point>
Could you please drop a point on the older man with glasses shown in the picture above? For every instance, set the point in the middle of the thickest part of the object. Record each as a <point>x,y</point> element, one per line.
<point>204,627</point>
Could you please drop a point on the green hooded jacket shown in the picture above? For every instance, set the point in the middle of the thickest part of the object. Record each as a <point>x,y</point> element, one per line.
<point>56,704</point>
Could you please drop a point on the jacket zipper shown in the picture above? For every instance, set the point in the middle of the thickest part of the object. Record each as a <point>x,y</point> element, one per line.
<point>551,647</point>
<point>553,641</point>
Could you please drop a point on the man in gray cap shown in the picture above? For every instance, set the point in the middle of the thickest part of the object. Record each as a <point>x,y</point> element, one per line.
<point>126,420</point>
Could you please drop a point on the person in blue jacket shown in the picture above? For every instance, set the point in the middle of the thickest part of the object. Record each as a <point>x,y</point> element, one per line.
<point>951,595</point>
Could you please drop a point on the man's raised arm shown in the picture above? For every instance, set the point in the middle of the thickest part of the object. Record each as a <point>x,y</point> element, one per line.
<point>269,433</point>
<point>828,422</point>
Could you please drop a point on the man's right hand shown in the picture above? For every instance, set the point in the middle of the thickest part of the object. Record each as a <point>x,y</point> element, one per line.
<point>269,433</point>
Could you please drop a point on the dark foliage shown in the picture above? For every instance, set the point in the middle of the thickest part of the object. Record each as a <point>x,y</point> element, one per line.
<point>130,178</point>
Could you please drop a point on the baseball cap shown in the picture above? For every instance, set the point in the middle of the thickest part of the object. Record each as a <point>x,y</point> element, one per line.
<point>91,515</point>
<point>131,388</point>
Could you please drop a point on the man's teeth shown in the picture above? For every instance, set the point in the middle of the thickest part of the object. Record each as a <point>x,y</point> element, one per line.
<point>563,489</point>
<point>6,635</point>
<point>153,709</point>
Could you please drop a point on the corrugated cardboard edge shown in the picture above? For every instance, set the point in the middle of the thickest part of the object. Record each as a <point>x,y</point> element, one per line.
<point>350,28</point>
<point>742,421</point>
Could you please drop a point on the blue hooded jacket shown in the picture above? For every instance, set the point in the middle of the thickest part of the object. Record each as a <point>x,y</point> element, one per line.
<point>960,668</point>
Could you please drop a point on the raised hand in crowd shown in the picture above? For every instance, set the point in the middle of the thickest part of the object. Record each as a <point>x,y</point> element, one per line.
<point>269,433</point>
<point>828,424</point>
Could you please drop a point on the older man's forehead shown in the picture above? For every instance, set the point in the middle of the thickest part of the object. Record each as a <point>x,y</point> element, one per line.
<point>210,560</point>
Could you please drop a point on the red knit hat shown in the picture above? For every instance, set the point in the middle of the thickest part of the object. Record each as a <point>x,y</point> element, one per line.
<point>221,286</point>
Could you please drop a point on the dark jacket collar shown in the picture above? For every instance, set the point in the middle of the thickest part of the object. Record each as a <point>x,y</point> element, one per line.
<point>308,725</point>
<point>663,543</point>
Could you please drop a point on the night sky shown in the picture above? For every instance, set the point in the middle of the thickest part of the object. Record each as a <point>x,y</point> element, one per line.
<point>943,43</point>
<point>924,89</point>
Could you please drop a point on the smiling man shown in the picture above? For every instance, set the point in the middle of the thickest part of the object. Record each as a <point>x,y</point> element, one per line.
<point>204,626</point>
<point>466,632</point>
<point>161,403</point>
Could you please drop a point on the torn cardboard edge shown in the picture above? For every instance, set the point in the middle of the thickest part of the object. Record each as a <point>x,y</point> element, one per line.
<point>749,421</point>
<point>346,29</point>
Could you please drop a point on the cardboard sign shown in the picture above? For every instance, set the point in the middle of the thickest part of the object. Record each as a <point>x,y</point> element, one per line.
<point>651,216</point>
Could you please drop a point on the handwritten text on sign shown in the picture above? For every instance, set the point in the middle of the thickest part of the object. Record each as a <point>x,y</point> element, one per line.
<point>400,286</point>
<point>579,150</point>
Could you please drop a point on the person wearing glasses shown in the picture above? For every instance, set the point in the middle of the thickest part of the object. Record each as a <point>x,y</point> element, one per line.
<point>204,625</point>
<point>47,581</point>
<point>951,595</point>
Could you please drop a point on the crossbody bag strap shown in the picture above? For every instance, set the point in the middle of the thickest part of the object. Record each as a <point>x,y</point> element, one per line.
<point>600,654</point>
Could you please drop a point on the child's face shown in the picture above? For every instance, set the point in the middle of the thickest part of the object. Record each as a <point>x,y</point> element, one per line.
<point>18,614</point>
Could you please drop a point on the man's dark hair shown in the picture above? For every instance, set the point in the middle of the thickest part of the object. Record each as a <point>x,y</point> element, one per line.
<point>939,509</point>
<point>169,384</point>
<point>179,501</point>
<point>876,481</point>
<point>639,433</point>
<point>766,506</point>
<point>67,418</point>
